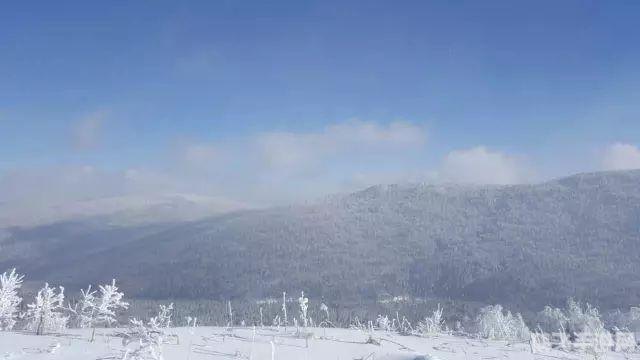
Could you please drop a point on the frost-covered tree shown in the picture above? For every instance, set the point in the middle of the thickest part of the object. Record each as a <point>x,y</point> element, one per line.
<point>84,308</point>
<point>99,310</point>
<point>47,312</point>
<point>10,283</point>
<point>108,303</point>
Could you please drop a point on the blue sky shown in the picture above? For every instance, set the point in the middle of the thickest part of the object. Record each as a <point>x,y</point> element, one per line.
<point>362,92</point>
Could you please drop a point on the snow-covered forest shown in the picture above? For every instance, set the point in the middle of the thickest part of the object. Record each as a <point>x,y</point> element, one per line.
<point>86,325</point>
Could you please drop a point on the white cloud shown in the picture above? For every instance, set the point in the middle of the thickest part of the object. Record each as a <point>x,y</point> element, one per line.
<point>292,151</point>
<point>87,131</point>
<point>479,165</point>
<point>620,156</point>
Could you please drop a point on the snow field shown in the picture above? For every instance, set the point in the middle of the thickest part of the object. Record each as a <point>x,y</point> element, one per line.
<point>275,343</point>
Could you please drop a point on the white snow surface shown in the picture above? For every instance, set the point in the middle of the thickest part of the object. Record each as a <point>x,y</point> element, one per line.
<point>256,344</point>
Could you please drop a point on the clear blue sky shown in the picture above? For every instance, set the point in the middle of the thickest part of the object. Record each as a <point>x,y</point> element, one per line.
<point>553,82</point>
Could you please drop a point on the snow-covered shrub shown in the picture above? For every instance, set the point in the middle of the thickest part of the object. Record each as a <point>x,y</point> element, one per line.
<point>583,323</point>
<point>586,325</point>
<point>579,319</point>
<point>356,324</point>
<point>108,303</point>
<point>284,308</point>
<point>383,323</point>
<point>433,324</point>
<point>600,338</point>
<point>84,309</point>
<point>10,283</point>
<point>539,341</point>
<point>634,319</point>
<point>261,317</point>
<point>492,323</point>
<point>148,339</point>
<point>625,341</point>
<point>192,322</point>
<point>163,319</point>
<point>276,321</point>
<point>551,319</point>
<point>617,319</point>
<point>405,327</point>
<point>564,342</point>
<point>325,310</point>
<point>47,312</point>
<point>93,311</point>
<point>230,312</point>
<point>303,302</point>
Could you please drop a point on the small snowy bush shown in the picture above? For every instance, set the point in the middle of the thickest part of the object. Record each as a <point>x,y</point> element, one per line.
<point>492,323</point>
<point>303,302</point>
<point>10,283</point>
<point>284,309</point>
<point>383,323</point>
<point>230,312</point>
<point>148,339</point>
<point>601,340</point>
<point>625,342</point>
<point>432,325</point>
<point>551,319</point>
<point>404,326</point>
<point>580,320</point>
<point>563,341</point>
<point>539,341</point>
<point>163,319</point>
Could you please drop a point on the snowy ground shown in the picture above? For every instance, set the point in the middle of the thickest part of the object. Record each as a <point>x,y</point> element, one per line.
<point>321,344</point>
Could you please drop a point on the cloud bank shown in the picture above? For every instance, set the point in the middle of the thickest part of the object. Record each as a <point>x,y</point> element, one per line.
<point>620,156</point>
<point>479,165</point>
<point>196,178</point>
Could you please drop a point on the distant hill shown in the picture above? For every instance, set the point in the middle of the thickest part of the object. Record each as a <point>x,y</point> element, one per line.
<point>526,245</point>
<point>120,210</point>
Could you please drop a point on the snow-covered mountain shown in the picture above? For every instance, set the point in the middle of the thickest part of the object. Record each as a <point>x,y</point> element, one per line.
<point>523,244</point>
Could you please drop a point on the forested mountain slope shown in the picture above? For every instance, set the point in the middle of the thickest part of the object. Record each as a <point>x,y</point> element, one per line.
<point>525,244</point>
